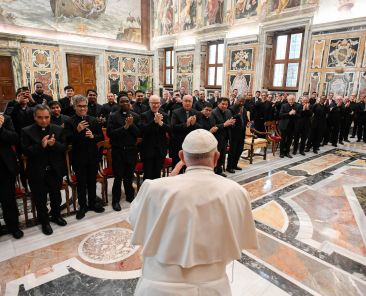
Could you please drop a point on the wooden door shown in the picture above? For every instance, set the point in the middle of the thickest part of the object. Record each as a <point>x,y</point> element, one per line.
<point>81,73</point>
<point>7,88</point>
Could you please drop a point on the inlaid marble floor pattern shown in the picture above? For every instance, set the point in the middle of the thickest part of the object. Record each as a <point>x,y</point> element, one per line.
<point>310,216</point>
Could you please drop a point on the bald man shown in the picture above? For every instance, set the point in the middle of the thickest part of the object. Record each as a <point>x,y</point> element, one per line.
<point>154,125</point>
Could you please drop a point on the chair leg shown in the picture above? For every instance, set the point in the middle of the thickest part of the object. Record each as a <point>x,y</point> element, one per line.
<point>265,153</point>
<point>67,194</point>
<point>251,154</point>
<point>25,207</point>
<point>273,148</point>
<point>74,196</point>
<point>106,190</point>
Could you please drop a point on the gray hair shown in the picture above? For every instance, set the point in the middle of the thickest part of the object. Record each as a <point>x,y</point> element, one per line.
<point>79,98</point>
<point>41,107</point>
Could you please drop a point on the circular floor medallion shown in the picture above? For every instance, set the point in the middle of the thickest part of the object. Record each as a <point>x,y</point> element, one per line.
<point>107,246</point>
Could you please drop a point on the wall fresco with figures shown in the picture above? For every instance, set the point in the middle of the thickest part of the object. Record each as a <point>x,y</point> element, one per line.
<point>84,17</point>
<point>337,63</point>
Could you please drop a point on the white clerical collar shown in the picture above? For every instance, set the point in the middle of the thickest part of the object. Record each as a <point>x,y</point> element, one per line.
<point>199,167</point>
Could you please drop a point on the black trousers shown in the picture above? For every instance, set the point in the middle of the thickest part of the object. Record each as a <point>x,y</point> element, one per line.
<point>123,168</point>
<point>326,133</point>
<point>361,128</point>
<point>221,147</point>
<point>334,129</point>
<point>286,138</point>
<point>236,149</point>
<point>316,136</point>
<point>86,175</point>
<point>344,130</point>
<point>7,197</point>
<point>355,123</point>
<point>301,134</point>
<point>50,185</point>
<point>153,166</point>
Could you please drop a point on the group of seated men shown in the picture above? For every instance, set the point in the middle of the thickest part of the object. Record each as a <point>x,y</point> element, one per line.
<point>41,129</point>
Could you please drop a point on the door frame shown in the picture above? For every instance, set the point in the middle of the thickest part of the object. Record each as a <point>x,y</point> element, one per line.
<point>99,67</point>
<point>15,55</point>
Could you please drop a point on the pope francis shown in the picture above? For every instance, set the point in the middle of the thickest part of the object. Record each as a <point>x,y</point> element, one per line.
<point>191,226</point>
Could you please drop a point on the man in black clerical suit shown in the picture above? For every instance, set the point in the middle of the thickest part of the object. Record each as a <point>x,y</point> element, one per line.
<point>8,171</point>
<point>123,132</point>
<point>328,103</point>
<point>347,114</point>
<point>39,96</point>
<point>138,107</point>
<point>56,116</point>
<point>154,128</point>
<point>302,126</point>
<point>336,110</point>
<point>184,120</point>
<point>206,120</point>
<point>10,105</point>
<point>361,120</point>
<point>83,132</point>
<point>224,122</point>
<point>66,102</point>
<point>201,101</point>
<point>289,113</point>
<point>22,113</point>
<point>237,134</point>
<point>259,112</point>
<point>94,109</point>
<point>318,124</point>
<point>172,104</point>
<point>109,107</point>
<point>44,146</point>
<point>214,100</point>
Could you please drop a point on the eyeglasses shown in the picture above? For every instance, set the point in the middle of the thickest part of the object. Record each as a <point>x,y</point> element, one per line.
<point>82,106</point>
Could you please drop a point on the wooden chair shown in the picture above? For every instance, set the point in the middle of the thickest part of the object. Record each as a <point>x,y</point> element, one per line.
<point>167,166</point>
<point>253,142</point>
<point>273,134</point>
<point>22,193</point>
<point>105,167</point>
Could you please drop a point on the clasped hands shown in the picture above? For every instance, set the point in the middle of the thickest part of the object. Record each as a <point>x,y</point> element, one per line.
<point>48,141</point>
<point>83,125</point>
<point>191,120</point>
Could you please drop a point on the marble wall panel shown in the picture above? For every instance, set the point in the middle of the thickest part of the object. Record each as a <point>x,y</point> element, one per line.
<point>318,51</point>
<point>185,70</point>
<point>42,63</point>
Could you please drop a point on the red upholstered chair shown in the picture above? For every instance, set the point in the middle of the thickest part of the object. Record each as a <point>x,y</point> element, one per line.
<point>106,170</point>
<point>23,194</point>
<point>273,134</point>
<point>139,171</point>
<point>168,164</point>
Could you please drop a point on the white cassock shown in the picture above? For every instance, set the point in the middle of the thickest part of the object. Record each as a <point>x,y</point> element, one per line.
<point>190,227</point>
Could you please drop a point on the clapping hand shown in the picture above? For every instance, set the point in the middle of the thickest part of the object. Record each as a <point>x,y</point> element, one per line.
<point>82,125</point>
<point>213,129</point>
<point>292,112</point>
<point>229,122</point>
<point>51,141</point>
<point>45,141</point>
<point>158,118</point>
<point>128,122</point>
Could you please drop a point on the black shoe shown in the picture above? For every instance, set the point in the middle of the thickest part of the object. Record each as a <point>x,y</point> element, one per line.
<point>359,140</point>
<point>346,141</point>
<point>47,229</point>
<point>97,208</point>
<point>80,214</point>
<point>294,152</point>
<point>116,206</point>
<point>334,145</point>
<point>341,143</point>
<point>302,153</point>
<point>59,221</point>
<point>231,171</point>
<point>288,155</point>
<point>315,151</point>
<point>17,233</point>
<point>307,150</point>
<point>237,168</point>
<point>282,155</point>
<point>222,174</point>
<point>353,137</point>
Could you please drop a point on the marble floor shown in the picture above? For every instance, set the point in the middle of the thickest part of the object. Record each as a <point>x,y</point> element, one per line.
<point>310,216</point>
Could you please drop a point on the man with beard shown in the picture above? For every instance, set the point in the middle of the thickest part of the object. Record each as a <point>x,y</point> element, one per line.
<point>109,107</point>
<point>8,172</point>
<point>184,120</point>
<point>66,102</point>
<point>83,132</point>
<point>56,117</point>
<point>302,126</point>
<point>288,116</point>
<point>318,124</point>
<point>224,122</point>
<point>237,134</point>
<point>201,102</point>
<point>123,132</point>
<point>44,145</point>
<point>138,107</point>
<point>94,109</point>
<point>39,96</point>
<point>154,128</point>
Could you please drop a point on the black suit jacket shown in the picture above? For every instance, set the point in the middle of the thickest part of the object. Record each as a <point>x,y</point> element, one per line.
<point>94,110</point>
<point>223,134</point>
<point>39,98</point>
<point>21,117</point>
<point>66,108</point>
<point>179,125</point>
<point>84,150</point>
<point>154,136</point>
<point>38,157</point>
<point>319,119</point>
<point>286,118</point>
<point>206,122</point>
<point>139,108</point>
<point>61,120</point>
<point>238,129</point>
<point>8,137</point>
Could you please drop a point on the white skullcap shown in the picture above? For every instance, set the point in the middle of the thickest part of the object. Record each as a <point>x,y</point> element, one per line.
<point>199,141</point>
